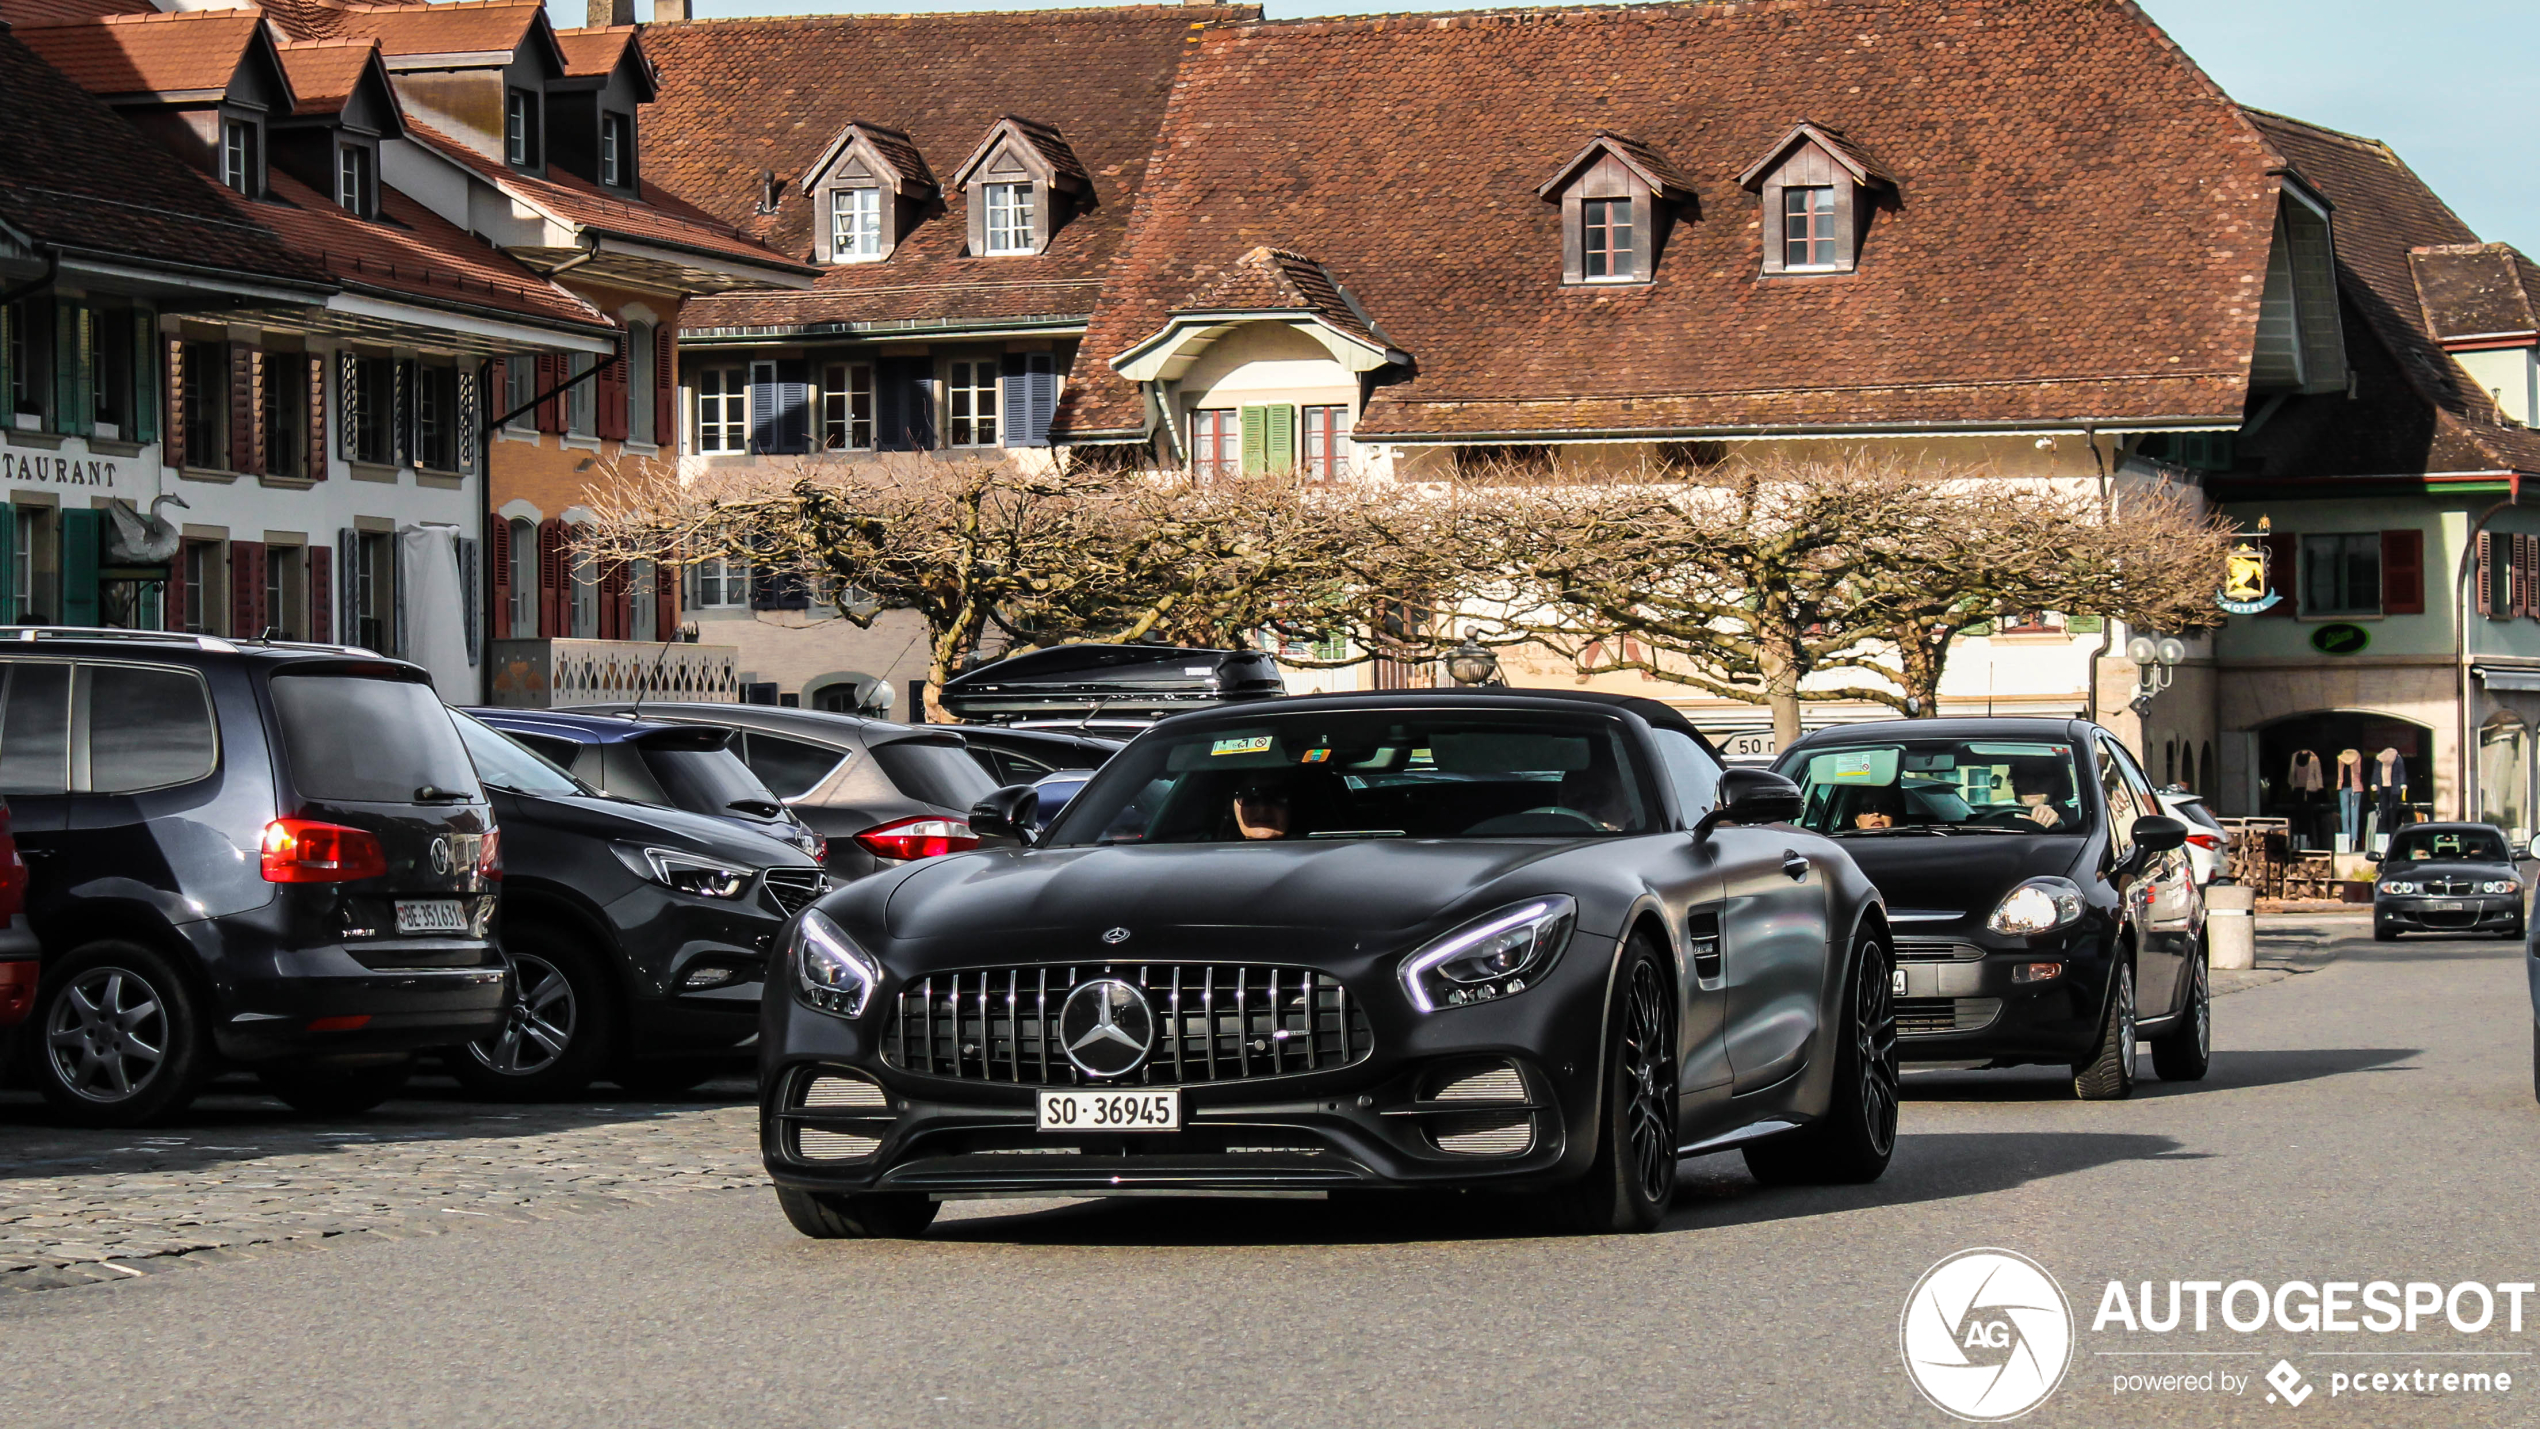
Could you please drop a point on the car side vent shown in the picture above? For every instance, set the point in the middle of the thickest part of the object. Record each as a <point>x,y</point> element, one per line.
<point>1484,1133</point>
<point>827,1092</point>
<point>815,1144</point>
<point>1702,942</point>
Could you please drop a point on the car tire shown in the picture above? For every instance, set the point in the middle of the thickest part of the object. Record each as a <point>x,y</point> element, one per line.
<point>885,1215</point>
<point>2109,1074</point>
<point>2185,1052</point>
<point>1632,1180</point>
<point>2383,932</point>
<point>668,1076</point>
<point>1856,1138</point>
<point>119,1038</point>
<point>321,1090</point>
<point>558,1029</point>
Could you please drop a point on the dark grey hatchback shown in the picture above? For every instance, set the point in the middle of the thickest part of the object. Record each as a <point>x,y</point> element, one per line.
<point>274,856</point>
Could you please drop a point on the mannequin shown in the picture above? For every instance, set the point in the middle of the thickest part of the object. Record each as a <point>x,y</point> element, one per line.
<point>2350,796</point>
<point>2390,785</point>
<point>2302,785</point>
<point>2305,775</point>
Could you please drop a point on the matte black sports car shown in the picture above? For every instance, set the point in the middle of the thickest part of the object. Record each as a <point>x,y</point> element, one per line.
<point>1527,940</point>
<point>2447,878</point>
<point>2044,910</point>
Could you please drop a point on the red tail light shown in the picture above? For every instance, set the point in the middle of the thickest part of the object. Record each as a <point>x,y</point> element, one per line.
<point>489,856</point>
<point>17,991</point>
<point>923,837</point>
<point>12,873</point>
<point>2211,841</point>
<point>306,851</point>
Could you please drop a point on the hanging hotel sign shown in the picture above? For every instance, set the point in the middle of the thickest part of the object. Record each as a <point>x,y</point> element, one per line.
<point>2245,588</point>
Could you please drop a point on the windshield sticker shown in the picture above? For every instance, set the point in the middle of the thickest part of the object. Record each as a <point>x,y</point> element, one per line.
<point>1316,756</point>
<point>1256,744</point>
<point>1854,766</point>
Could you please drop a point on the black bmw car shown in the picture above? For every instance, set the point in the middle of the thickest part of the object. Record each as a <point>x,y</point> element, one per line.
<point>2044,911</point>
<point>1528,940</point>
<point>2447,878</point>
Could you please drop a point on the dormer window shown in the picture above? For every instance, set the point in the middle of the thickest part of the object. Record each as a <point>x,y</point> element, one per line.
<point>1021,182</point>
<point>241,159</point>
<point>1009,217</point>
<point>855,224</point>
<point>1616,199</point>
<point>1818,191</point>
<point>357,180</point>
<point>874,186</point>
<point>617,151</point>
<point>520,128</point>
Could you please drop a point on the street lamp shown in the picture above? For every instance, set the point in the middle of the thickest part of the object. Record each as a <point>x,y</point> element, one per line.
<point>2155,666</point>
<point>1469,664</point>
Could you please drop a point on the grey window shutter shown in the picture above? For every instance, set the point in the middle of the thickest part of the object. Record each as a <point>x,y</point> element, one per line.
<point>1014,400</point>
<point>347,406</point>
<point>408,414</point>
<point>397,590</point>
<point>763,405</point>
<point>470,398</point>
<point>1043,380</point>
<point>348,577</point>
<point>470,592</point>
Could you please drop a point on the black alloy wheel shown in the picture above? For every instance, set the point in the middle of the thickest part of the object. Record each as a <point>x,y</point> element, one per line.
<point>2186,1051</point>
<point>119,1040</point>
<point>2108,1076</point>
<point>1632,1180</point>
<point>556,1032</point>
<point>1856,1138</point>
<point>827,1215</point>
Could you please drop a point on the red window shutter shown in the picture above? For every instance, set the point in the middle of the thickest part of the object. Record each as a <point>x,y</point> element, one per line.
<point>321,595</point>
<point>617,612</point>
<point>665,387</point>
<point>555,617</point>
<point>498,550</point>
<point>258,448</point>
<point>665,600</point>
<point>551,370</point>
<point>172,447</point>
<point>2284,554</point>
<point>172,605</point>
<point>612,400</point>
<point>247,589</point>
<point>313,444</point>
<point>2403,572</point>
<point>242,410</point>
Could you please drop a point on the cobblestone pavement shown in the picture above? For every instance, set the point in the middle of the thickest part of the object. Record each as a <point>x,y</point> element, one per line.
<point>242,1175</point>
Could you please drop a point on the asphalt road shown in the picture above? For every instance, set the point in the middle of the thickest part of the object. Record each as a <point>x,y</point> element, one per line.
<point>2370,1120</point>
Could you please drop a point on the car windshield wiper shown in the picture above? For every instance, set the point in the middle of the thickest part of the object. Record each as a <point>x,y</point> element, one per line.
<point>1890,830</point>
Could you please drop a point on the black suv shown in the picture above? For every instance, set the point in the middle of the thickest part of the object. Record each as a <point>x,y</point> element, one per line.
<point>639,934</point>
<point>275,856</point>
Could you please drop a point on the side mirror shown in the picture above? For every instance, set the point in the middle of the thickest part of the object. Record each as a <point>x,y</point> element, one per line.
<point>1753,796</point>
<point>2158,833</point>
<point>2373,855</point>
<point>1007,812</point>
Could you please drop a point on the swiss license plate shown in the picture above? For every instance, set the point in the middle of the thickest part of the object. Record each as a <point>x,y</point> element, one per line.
<point>1899,982</point>
<point>431,915</point>
<point>1111,1111</point>
<point>2445,905</point>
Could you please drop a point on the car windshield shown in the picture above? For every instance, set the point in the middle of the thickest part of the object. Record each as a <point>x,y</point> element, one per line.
<point>369,739</point>
<point>2467,845</point>
<point>710,781</point>
<point>1365,776</point>
<point>505,763</point>
<point>1940,786</point>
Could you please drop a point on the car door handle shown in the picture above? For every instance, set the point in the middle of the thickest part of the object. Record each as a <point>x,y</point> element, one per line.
<point>1795,864</point>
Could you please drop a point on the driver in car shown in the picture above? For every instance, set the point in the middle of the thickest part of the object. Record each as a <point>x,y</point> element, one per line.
<point>1879,807</point>
<point>1261,811</point>
<point>2043,790</point>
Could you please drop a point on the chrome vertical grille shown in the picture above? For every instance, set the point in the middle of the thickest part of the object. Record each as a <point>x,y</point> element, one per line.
<point>1214,1022</point>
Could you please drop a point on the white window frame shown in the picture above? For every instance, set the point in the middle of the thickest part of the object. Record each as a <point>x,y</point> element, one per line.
<point>723,411</point>
<point>855,225</point>
<point>238,155</point>
<point>719,583</point>
<point>1009,226</point>
<point>846,407</point>
<point>963,402</point>
<point>355,181</point>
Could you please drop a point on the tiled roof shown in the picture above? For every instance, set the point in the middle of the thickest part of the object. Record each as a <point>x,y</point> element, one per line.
<point>2080,235</point>
<point>2414,409</point>
<point>63,12</point>
<point>660,218</point>
<point>740,97</point>
<point>414,255</point>
<point>594,52</point>
<point>1274,280</point>
<point>74,174</point>
<point>148,54</point>
<point>2477,290</point>
<point>324,73</point>
<point>456,27</point>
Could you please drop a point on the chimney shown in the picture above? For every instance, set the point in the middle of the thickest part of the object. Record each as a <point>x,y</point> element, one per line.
<point>665,11</point>
<point>603,13</point>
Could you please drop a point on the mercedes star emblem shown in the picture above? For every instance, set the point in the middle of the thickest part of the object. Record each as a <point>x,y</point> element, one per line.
<point>1116,936</point>
<point>1105,1027</point>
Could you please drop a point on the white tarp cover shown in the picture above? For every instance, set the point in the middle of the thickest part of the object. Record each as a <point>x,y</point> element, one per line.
<point>435,609</point>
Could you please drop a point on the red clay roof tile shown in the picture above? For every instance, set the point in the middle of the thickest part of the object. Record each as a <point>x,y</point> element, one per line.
<point>148,54</point>
<point>324,73</point>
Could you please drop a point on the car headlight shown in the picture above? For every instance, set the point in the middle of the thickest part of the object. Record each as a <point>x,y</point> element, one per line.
<point>1491,956</point>
<point>686,872</point>
<point>2500,885</point>
<point>2041,905</point>
<point>830,971</point>
<point>2402,890</point>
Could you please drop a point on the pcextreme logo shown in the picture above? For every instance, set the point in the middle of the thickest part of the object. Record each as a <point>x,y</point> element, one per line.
<point>1987,1335</point>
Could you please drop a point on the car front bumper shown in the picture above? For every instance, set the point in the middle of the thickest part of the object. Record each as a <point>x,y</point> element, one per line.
<point>2475,913</point>
<point>1973,1005</point>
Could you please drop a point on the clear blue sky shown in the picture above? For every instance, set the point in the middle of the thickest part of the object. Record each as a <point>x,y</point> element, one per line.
<point>2454,85</point>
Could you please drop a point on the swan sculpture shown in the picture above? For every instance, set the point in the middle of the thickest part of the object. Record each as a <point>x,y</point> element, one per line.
<point>140,540</point>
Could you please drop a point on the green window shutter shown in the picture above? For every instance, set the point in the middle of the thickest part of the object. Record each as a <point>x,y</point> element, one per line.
<point>8,558</point>
<point>1256,431</point>
<point>2084,624</point>
<point>73,408</point>
<point>1282,451</point>
<point>80,539</point>
<point>145,377</point>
